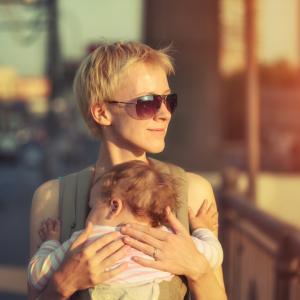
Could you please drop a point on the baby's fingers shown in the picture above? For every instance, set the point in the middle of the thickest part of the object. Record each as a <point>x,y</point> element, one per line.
<point>42,234</point>
<point>203,208</point>
<point>196,222</point>
<point>177,227</point>
<point>191,215</point>
<point>56,225</point>
<point>212,208</point>
<point>215,215</point>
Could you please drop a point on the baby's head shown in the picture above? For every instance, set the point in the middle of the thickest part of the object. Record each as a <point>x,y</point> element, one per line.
<point>132,191</point>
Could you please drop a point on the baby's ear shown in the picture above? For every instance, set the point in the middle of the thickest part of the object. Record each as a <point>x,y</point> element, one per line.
<point>116,206</point>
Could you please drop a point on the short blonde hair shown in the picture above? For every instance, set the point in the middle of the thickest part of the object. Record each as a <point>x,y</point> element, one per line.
<point>97,76</point>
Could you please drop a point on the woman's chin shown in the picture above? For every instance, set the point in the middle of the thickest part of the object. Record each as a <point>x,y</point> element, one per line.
<point>156,148</point>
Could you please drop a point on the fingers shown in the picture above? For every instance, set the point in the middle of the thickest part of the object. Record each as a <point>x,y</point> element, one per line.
<point>192,218</point>
<point>191,214</point>
<point>145,248</point>
<point>148,263</point>
<point>203,208</point>
<point>141,231</point>
<point>56,225</point>
<point>112,273</point>
<point>82,238</point>
<point>110,261</point>
<point>105,245</point>
<point>215,226</point>
<point>146,234</point>
<point>215,216</point>
<point>42,232</point>
<point>212,209</point>
<point>207,208</point>
<point>177,227</point>
<point>49,229</point>
<point>115,257</point>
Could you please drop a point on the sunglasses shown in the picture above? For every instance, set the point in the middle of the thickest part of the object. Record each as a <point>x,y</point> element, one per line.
<point>148,106</point>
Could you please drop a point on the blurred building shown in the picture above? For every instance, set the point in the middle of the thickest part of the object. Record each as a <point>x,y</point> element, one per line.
<point>192,27</point>
<point>209,129</point>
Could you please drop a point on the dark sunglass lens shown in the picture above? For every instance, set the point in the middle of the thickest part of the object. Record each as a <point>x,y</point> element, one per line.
<point>171,102</point>
<point>147,106</point>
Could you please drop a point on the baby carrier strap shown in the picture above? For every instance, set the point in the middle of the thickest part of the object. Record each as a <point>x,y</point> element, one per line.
<point>73,201</point>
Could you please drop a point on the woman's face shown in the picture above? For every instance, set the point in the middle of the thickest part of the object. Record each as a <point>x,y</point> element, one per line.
<point>129,132</point>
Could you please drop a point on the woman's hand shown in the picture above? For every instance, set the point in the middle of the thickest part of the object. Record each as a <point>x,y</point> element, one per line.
<point>88,265</point>
<point>172,252</point>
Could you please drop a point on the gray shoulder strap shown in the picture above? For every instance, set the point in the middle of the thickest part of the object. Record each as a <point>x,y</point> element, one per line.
<point>73,201</point>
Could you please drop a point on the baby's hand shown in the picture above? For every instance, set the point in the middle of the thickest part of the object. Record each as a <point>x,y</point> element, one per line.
<point>50,230</point>
<point>206,217</point>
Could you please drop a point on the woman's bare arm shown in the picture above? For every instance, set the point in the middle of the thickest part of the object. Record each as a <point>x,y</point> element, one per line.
<point>44,205</point>
<point>200,189</point>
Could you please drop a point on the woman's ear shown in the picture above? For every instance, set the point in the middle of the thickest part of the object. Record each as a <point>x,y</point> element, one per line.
<point>116,206</point>
<point>100,114</point>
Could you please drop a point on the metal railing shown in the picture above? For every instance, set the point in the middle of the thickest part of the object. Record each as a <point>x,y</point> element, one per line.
<point>261,253</point>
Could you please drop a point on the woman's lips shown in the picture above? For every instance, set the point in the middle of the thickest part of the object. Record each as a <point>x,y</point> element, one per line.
<point>158,130</point>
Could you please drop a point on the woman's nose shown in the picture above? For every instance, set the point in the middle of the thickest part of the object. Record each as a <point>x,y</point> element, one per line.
<point>163,113</point>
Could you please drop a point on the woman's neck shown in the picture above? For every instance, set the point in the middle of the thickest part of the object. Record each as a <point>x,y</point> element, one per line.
<point>110,155</point>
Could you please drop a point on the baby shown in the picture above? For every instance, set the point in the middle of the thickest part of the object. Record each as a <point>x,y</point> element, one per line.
<point>130,192</point>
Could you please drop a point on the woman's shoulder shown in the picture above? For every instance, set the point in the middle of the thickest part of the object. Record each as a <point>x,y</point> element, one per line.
<point>45,200</point>
<point>47,191</point>
<point>196,181</point>
<point>166,166</point>
<point>199,189</point>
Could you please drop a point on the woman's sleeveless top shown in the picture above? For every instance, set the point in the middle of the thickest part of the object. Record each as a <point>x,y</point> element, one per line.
<point>74,190</point>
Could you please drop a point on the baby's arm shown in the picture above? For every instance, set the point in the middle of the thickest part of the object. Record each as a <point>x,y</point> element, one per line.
<point>49,256</point>
<point>202,224</point>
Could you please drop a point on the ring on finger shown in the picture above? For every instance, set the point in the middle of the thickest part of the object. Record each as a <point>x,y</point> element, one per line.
<point>154,255</point>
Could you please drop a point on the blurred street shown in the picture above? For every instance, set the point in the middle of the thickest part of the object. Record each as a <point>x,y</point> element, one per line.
<point>17,184</point>
<point>18,181</point>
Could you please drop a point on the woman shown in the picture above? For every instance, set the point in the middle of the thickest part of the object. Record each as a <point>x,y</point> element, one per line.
<point>117,88</point>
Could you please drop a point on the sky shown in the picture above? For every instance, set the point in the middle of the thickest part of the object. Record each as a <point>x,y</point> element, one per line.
<point>277,32</point>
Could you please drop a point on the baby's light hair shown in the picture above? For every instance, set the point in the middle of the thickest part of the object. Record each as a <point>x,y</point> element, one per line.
<point>144,190</point>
